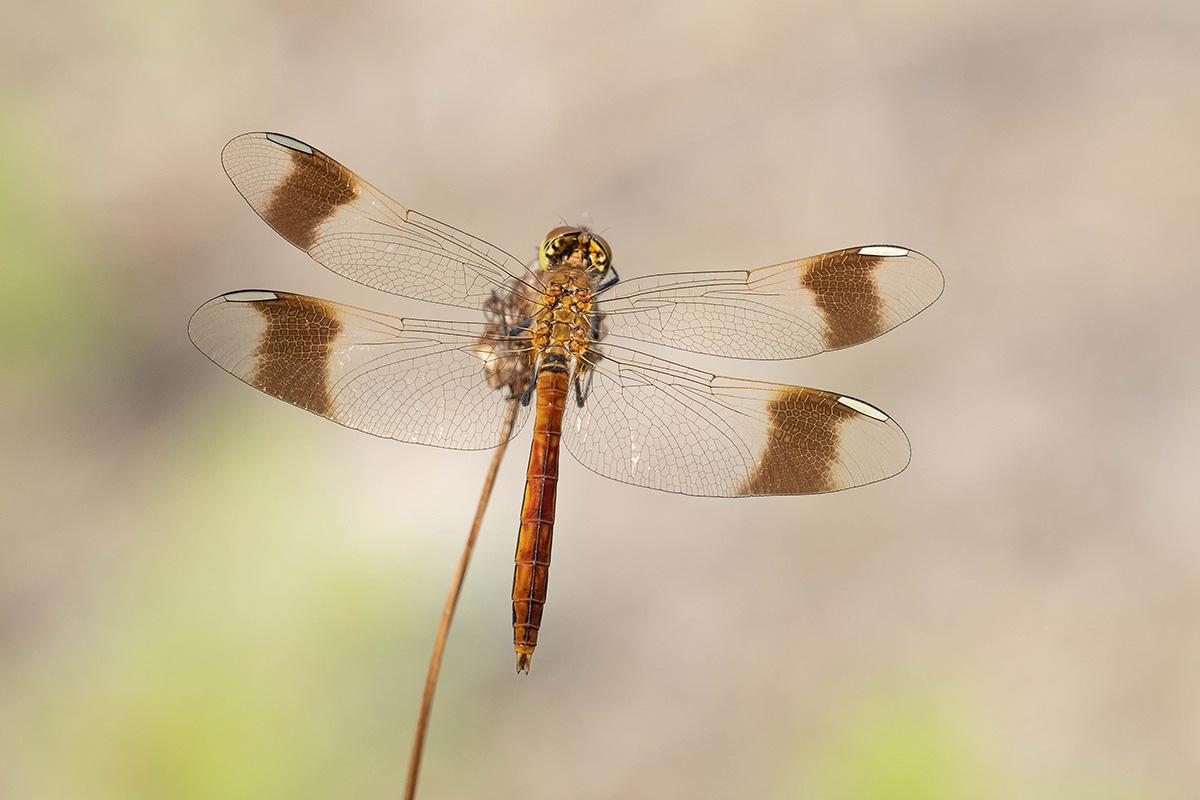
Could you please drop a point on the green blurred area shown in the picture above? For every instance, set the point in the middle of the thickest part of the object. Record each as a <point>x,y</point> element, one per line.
<point>910,739</point>
<point>230,647</point>
<point>56,308</point>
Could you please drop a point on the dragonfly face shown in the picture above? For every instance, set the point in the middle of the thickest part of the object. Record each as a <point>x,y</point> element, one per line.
<point>575,248</point>
<point>555,341</point>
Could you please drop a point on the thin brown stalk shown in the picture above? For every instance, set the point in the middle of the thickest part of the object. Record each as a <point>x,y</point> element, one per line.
<point>439,645</point>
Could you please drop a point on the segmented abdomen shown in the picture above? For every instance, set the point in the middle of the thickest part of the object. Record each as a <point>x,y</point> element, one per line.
<point>537,510</point>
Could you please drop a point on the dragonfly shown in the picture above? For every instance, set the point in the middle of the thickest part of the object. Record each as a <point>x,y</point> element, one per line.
<point>558,339</point>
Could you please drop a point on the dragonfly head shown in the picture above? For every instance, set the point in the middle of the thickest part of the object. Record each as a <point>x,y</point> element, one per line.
<point>577,248</point>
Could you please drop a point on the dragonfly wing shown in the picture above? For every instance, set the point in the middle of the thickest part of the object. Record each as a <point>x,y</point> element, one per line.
<point>789,310</point>
<point>357,231</point>
<point>657,424</point>
<point>412,380</point>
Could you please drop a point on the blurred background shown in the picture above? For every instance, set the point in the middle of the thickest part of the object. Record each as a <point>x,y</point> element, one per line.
<point>206,593</point>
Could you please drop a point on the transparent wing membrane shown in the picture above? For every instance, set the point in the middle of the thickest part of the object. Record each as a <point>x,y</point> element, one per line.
<point>417,381</point>
<point>790,310</point>
<point>653,423</point>
<point>354,229</point>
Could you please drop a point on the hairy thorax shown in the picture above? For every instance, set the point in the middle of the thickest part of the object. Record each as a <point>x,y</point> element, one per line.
<point>563,322</point>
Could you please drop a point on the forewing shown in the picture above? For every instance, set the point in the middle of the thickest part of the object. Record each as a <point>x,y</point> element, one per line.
<point>657,424</point>
<point>357,231</point>
<point>788,310</point>
<point>412,380</point>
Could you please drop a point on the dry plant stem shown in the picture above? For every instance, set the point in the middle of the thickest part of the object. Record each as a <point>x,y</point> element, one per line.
<point>439,645</point>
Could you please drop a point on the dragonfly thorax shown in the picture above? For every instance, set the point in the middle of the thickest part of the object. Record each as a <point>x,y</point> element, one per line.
<point>563,322</point>
<point>575,248</point>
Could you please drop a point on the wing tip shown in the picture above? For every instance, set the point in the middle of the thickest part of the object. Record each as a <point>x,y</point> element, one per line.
<point>250,296</point>
<point>928,270</point>
<point>283,140</point>
<point>863,408</point>
<point>884,251</point>
<point>280,139</point>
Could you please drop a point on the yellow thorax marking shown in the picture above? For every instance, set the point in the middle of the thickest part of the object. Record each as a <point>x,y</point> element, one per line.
<point>563,321</point>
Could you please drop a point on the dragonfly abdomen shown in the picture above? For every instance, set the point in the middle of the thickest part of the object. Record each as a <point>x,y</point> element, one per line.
<point>537,510</point>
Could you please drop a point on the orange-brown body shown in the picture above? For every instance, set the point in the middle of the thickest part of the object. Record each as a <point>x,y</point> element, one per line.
<point>562,334</point>
<point>537,516</point>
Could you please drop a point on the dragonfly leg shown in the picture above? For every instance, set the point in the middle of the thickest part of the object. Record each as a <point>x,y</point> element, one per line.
<point>610,280</point>
<point>522,327</point>
<point>583,390</point>
<point>527,395</point>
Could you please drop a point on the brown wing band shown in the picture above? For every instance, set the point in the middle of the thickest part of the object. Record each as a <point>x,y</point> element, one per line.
<point>292,357</point>
<point>802,447</point>
<point>844,289</point>
<point>310,194</point>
